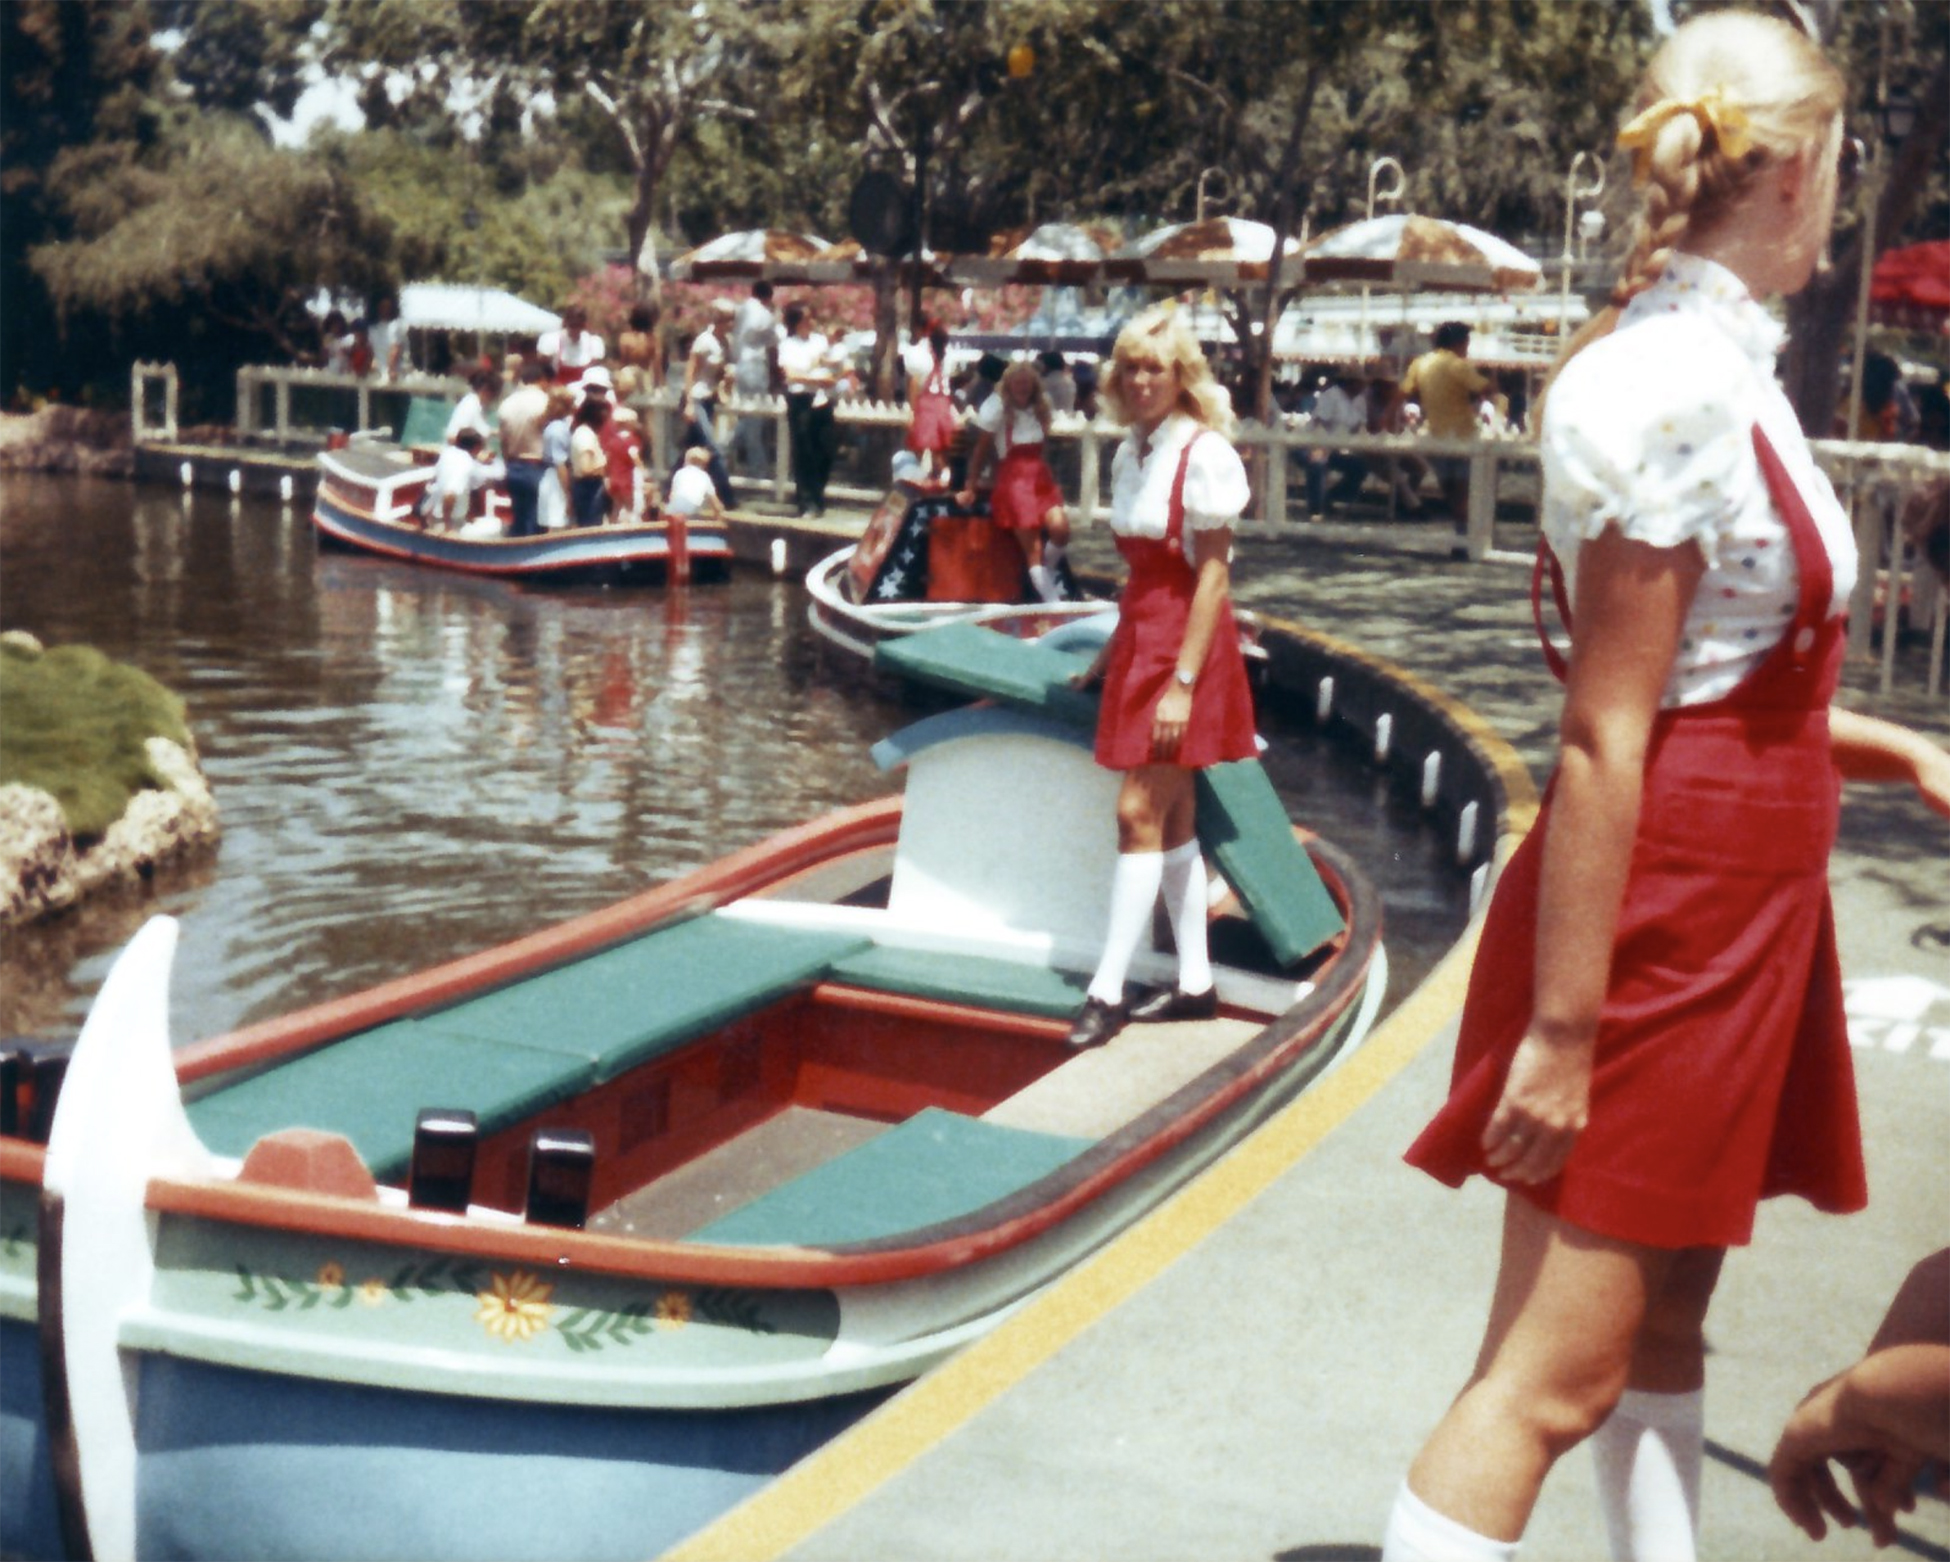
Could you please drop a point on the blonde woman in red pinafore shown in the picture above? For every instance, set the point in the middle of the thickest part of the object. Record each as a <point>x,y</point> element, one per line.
<point>1175,697</point>
<point>1013,427</point>
<point>1653,1039</point>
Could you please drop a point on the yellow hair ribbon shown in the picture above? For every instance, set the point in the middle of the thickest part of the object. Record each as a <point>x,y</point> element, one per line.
<point>1725,123</point>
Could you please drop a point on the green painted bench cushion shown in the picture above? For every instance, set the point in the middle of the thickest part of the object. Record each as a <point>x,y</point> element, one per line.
<point>508,1054</point>
<point>936,1166</point>
<point>639,1000</point>
<point>371,1087</point>
<point>985,664</point>
<point>974,979</point>
<point>425,422</point>
<point>1244,825</point>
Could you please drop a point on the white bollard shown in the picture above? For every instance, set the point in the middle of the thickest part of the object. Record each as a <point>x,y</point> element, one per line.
<point>1466,833</point>
<point>1431,779</point>
<point>1324,704</point>
<point>237,478</point>
<point>188,473</point>
<point>778,556</point>
<point>1384,730</point>
<point>286,488</point>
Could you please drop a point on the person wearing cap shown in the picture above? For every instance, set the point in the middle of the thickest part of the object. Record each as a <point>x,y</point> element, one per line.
<point>704,370</point>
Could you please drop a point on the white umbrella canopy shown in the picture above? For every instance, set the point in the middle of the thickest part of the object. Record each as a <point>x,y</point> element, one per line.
<point>771,253</point>
<point>1064,254</point>
<point>1411,252</point>
<point>1219,250</point>
<point>457,306</point>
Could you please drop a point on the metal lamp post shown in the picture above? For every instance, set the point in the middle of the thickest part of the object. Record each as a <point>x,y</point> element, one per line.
<point>1574,196</point>
<point>1391,196</point>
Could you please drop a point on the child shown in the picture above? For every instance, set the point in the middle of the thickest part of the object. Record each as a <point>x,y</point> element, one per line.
<point>691,490</point>
<point>1014,423</point>
<point>458,474</point>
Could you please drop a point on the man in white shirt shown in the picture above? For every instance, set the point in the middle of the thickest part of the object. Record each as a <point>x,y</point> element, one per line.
<point>1059,384</point>
<point>805,362</point>
<point>458,474</point>
<point>754,350</point>
<point>1342,408</point>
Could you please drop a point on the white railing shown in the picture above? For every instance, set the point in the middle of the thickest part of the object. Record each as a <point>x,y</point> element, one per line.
<point>141,377</point>
<point>337,392</point>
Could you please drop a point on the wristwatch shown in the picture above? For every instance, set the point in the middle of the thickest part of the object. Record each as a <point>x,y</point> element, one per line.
<point>1183,679</point>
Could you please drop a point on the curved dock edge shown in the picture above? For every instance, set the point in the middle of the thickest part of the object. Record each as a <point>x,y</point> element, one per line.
<point>846,1471</point>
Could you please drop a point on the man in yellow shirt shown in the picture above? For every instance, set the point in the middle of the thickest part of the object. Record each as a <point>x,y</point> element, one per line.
<point>1449,387</point>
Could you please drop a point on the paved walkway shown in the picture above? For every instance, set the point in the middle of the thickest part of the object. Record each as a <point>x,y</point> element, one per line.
<point>1244,1377</point>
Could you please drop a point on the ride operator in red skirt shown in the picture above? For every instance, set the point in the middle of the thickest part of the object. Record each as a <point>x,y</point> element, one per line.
<point>1653,1039</point>
<point>1175,696</point>
<point>1013,425</point>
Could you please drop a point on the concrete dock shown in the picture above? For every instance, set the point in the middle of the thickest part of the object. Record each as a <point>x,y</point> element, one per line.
<point>1245,1376</point>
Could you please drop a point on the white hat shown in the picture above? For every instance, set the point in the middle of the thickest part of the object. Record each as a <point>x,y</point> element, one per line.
<point>596,378</point>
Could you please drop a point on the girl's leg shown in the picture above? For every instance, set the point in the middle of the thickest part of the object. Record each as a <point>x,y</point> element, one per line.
<point>1186,905</point>
<point>1563,1330</point>
<point>1650,1450</point>
<point>1146,802</point>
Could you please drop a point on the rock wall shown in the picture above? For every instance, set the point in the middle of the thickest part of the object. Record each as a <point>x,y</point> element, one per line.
<point>67,439</point>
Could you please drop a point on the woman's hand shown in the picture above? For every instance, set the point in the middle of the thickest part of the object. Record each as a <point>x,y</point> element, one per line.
<point>966,498</point>
<point>1545,1104</point>
<point>1168,723</point>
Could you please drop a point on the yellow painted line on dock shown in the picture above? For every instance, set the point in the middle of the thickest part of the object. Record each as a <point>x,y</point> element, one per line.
<point>836,1478</point>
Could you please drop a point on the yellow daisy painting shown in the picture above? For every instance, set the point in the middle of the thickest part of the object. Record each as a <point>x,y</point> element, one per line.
<point>515,1307</point>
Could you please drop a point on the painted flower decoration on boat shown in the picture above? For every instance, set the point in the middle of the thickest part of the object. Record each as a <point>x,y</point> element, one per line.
<point>373,1292</point>
<point>331,1276</point>
<point>515,1307</point>
<point>673,1309</point>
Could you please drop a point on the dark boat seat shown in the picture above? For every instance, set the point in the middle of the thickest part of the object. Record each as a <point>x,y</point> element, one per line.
<point>1241,822</point>
<point>986,983</point>
<point>934,1167</point>
<point>518,1050</point>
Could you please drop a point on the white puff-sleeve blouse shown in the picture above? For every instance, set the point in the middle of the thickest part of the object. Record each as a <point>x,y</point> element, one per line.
<point>1650,430</point>
<point>1216,490</point>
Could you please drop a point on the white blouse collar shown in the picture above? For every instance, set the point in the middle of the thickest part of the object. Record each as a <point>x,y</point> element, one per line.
<point>1694,284</point>
<point>1173,435</point>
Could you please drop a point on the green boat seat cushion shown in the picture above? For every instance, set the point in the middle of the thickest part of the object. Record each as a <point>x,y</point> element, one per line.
<point>934,1167</point>
<point>510,1053</point>
<point>426,421</point>
<point>370,1088</point>
<point>1244,826</point>
<point>973,979</point>
<point>984,664</point>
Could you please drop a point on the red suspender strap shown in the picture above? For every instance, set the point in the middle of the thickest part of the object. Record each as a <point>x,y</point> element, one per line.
<point>1547,561</point>
<point>1175,515</point>
<point>1810,552</point>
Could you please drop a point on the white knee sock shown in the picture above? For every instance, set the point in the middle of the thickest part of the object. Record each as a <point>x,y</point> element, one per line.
<point>1133,893</point>
<point>1185,903</point>
<point>1417,1533</point>
<point>1648,1454</point>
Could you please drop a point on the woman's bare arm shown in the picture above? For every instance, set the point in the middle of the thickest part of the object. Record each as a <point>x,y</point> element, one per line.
<point>1870,749</point>
<point>1211,559</point>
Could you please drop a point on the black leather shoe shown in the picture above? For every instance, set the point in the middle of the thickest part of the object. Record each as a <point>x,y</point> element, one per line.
<point>1098,1022</point>
<point>1172,1004</point>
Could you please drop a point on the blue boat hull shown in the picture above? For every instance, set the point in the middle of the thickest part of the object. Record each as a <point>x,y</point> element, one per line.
<point>29,1524</point>
<point>584,555</point>
<point>234,1463</point>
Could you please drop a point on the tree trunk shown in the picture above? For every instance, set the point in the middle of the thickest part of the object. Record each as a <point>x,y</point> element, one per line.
<point>1821,326</point>
<point>886,330</point>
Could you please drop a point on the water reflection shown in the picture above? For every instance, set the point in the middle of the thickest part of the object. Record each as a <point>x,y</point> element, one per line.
<point>411,766</point>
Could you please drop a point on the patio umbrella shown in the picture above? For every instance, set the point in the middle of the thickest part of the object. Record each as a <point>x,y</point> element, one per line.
<point>1910,287</point>
<point>1063,254</point>
<point>1218,252</point>
<point>1409,252</point>
<point>457,306</point>
<point>771,253</point>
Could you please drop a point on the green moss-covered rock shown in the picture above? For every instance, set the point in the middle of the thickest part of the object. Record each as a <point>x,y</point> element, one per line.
<point>77,725</point>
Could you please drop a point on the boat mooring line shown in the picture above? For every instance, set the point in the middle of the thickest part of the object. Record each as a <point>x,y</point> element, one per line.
<point>832,1481</point>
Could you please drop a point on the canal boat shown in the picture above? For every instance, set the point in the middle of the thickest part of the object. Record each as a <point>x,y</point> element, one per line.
<point>369,495</point>
<point>564,1248</point>
<point>923,562</point>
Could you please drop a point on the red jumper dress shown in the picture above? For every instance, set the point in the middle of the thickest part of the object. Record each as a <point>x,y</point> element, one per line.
<point>1152,612</point>
<point>1025,488</point>
<point>932,425</point>
<point>1722,1073</point>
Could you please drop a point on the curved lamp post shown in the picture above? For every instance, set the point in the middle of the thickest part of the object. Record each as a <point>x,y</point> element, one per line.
<point>1576,195</point>
<point>1391,195</point>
